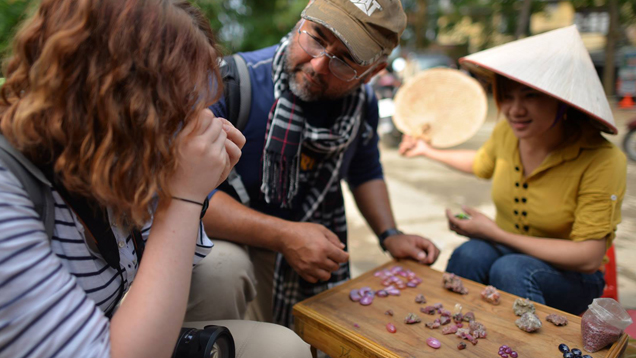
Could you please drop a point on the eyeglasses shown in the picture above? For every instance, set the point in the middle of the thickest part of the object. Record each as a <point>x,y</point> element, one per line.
<point>315,49</point>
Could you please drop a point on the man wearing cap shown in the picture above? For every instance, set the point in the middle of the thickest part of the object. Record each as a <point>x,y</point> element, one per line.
<point>312,123</point>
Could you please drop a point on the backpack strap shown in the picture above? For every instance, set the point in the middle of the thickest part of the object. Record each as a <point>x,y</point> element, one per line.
<point>34,182</point>
<point>238,98</point>
<point>237,91</point>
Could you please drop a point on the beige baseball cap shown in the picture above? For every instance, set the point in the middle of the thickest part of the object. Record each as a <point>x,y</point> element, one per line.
<point>369,28</point>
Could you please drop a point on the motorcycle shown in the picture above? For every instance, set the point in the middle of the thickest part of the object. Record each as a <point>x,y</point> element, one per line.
<point>385,87</point>
<point>629,141</point>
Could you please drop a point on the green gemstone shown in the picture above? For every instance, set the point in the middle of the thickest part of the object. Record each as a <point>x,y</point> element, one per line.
<point>462,216</point>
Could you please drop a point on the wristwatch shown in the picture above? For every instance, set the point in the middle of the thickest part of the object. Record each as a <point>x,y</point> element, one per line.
<point>389,232</point>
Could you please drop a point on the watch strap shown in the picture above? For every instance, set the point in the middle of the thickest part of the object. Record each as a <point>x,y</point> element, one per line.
<point>387,233</point>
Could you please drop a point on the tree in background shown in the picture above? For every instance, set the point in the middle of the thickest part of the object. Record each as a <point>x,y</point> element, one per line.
<point>11,13</point>
<point>245,25</point>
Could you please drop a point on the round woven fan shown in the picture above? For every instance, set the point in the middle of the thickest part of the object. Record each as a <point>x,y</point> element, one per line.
<point>441,105</point>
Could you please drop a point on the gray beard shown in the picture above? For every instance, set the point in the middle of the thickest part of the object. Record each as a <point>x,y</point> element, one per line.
<point>298,90</point>
<point>304,94</point>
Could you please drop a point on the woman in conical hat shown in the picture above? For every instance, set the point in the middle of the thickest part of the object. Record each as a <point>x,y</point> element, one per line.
<point>557,183</point>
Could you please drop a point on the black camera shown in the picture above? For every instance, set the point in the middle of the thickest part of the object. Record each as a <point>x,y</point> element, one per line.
<point>209,342</point>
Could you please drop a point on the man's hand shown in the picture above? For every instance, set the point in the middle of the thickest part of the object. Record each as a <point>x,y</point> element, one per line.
<point>412,247</point>
<point>312,250</point>
<point>478,226</point>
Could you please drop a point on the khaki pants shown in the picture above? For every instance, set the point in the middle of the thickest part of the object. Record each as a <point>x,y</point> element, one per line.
<point>232,284</point>
<point>261,340</point>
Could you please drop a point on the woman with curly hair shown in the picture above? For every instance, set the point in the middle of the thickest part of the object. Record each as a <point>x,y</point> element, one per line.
<point>109,100</point>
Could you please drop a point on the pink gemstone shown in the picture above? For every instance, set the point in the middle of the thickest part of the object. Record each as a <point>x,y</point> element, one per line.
<point>391,327</point>
<point>433,343</point>
<point>366,300</point>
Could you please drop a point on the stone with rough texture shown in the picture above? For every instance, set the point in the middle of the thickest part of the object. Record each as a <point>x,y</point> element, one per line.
<point>491,295</point>
<point>522,305</point>
<point>412,318</point>
<point>453,283</point>
<point>528,322</point>
<point>556,319</point>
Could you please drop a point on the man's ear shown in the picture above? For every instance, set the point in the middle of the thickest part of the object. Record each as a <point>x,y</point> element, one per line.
<point>375,71</point>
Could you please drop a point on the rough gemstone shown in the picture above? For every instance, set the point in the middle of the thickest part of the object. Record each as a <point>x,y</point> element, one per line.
<point>469,316</point>
<point>522,306</point>
<point>420,299</point>
<point>435,324</point>
<point>490,294</point>
<point>528,322</point>
<point>461,346</point>
<point>449,329</point>
<point>478,330</point>
<point>412,318</point>
<point>556,319</point>
<point>433,343</point>
<point>389,312</point>
<point>381,293</point>
<point>428,310</point>
<point>453,283</point>
<point>443,320</point>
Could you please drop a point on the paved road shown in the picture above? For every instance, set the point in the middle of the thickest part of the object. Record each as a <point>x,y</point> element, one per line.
<point>421,189</point>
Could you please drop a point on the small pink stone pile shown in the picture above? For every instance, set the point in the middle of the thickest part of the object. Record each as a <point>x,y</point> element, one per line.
<point>393,280</point>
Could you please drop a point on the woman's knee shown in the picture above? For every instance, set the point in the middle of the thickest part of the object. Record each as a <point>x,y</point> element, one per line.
<point>514,270</point>
<point>472,260</point>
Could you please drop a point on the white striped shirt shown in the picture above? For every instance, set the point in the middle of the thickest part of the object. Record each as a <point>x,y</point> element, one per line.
<point>53,294</point>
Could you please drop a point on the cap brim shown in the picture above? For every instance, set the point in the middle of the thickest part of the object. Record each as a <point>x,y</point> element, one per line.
<point>362,47</point>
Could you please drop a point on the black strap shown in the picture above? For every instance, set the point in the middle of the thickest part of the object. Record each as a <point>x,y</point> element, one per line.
<point>237,91</point>
<point>34,182</point>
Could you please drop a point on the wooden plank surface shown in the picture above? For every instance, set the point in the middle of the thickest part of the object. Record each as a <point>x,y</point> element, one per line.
<point>328,322</point>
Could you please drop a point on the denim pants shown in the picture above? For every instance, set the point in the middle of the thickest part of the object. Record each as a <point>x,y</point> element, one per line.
<point>525,276</point>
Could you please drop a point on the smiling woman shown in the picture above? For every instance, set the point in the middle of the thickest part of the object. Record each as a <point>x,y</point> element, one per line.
<point>557,183</point>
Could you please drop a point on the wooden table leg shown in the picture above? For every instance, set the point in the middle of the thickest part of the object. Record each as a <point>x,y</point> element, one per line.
<point>314,352</point>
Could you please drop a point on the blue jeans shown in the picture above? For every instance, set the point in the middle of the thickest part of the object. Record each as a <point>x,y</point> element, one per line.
<point>525,276</point>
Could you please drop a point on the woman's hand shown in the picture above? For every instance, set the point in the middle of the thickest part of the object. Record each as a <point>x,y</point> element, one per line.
<point>478,226</point>
<point>208,149</point>
<point>233,145</point>
<point>412,147</point>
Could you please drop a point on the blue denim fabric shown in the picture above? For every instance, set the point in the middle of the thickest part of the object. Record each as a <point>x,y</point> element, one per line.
<point>525,276</point>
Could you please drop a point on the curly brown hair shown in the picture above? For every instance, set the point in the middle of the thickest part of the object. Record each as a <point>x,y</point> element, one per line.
<point>98,90</point>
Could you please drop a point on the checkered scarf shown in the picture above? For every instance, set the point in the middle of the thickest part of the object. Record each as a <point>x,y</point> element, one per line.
<point>288,131</point>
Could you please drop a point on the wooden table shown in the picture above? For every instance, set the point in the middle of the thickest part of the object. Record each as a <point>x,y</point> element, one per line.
<point>328,322</point>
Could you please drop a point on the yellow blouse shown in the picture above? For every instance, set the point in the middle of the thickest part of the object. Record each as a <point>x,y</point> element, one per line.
<point>575,194</point>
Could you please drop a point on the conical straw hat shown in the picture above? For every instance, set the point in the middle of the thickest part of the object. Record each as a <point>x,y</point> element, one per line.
<point>556,63</point>
<point>445,106</point>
